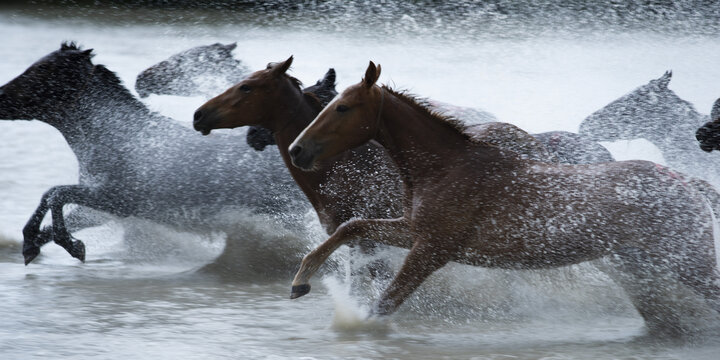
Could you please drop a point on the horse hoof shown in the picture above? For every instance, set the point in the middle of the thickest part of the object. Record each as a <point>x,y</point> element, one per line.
<point>299,290</point>
<point>78,250</point>
<point>30,253</point>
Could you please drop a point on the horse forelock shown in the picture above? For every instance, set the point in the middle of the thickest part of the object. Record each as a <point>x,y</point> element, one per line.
<point>424,106</point>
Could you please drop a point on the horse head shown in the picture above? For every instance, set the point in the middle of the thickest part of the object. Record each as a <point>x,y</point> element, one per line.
<point>256,101</point>
<point>246,103</point>
<point>185,73</point>
<point>50,87</point>
<point>646,112</point>
<point>324,90</point>
<point>350,120</point>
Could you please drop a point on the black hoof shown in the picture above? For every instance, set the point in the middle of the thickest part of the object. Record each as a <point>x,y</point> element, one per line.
<point>299,290</point>
<point>30,252</point>
<point>78,250</point>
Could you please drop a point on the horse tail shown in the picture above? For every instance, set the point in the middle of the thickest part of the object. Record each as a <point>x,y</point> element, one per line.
<point>709,192</point>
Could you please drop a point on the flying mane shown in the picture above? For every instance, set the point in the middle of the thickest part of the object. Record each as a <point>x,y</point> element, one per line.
<point>423,105</point>
<point>314,100</point>
<point>107,77</point>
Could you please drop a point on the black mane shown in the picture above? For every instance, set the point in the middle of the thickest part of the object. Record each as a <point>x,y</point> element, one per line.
<point>69,45</point>
<point>113,85</point>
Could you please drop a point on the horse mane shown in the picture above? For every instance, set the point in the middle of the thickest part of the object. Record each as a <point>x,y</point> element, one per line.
<point>105,75</point>
<point>296,82</point>
<point>110,79</point>
<point>313,100</point>
<point>69,45</point>
<point>423,105</point>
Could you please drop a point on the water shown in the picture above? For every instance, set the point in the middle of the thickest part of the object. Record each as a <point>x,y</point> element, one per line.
<point>149,292</point>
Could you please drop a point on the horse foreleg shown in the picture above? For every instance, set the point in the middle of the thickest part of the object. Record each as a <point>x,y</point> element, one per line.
<point>394,232</point>
<point>422,261</point>
<point>54,200</point>
<point>77,219</point>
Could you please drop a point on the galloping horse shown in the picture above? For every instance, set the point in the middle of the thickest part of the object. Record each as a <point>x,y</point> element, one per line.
<point>656,113</point>
<point>709,134</point>
<point>474,203</point>
<point>134,162</point>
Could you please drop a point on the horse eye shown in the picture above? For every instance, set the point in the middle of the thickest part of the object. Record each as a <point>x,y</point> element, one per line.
<point>245,88</point>
<point>342,108</point>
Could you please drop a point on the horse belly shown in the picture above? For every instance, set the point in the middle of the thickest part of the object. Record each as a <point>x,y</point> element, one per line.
<point>533,243</point>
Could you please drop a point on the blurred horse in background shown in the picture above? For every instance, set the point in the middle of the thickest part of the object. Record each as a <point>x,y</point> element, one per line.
<point>134,162</point>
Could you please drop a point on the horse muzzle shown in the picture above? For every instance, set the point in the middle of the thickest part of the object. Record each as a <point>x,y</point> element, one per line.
<point>202,122</point>
<point>303,155</point>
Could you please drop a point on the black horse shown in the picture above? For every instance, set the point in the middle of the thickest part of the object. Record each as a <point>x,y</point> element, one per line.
<point>134,162</point>
<point>709,134</point>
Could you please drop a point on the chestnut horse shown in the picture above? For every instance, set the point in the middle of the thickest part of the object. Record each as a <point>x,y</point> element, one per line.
<point>474,203</point>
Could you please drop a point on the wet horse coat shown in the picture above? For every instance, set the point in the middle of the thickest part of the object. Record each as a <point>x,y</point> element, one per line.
<point>134,162</point>
<point>655,113</point>
<point>474,203</point>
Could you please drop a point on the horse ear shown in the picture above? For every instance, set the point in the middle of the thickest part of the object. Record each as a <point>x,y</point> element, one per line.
<point>715,112</point>
<point>371,75</point>
<point>329,78</point>
<point>281,68</point>
<point>664,80</point>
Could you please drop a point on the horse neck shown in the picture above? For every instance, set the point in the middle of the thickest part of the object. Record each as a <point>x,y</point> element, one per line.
<point>678,133</point>
<point>103,119</point>
<point>419,143</point>
<point>287,125</point>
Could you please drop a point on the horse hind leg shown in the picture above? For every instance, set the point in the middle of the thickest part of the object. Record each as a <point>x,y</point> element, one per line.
<point>658,293</point>
<point>368,269</point>
<point>423,260</point>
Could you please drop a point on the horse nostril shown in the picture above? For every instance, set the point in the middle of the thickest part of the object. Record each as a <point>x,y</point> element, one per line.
<point>295,151</point>
<point>197,117</point>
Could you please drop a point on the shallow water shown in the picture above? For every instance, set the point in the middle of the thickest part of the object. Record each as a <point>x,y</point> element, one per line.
<point>148,292</point>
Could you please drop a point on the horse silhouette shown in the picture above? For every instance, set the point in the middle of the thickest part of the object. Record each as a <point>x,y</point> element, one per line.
<point>655,113</point>
<point>134,162</point>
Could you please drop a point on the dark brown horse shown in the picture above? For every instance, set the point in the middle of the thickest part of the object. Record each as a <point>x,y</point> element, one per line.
<point>474,203</point>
